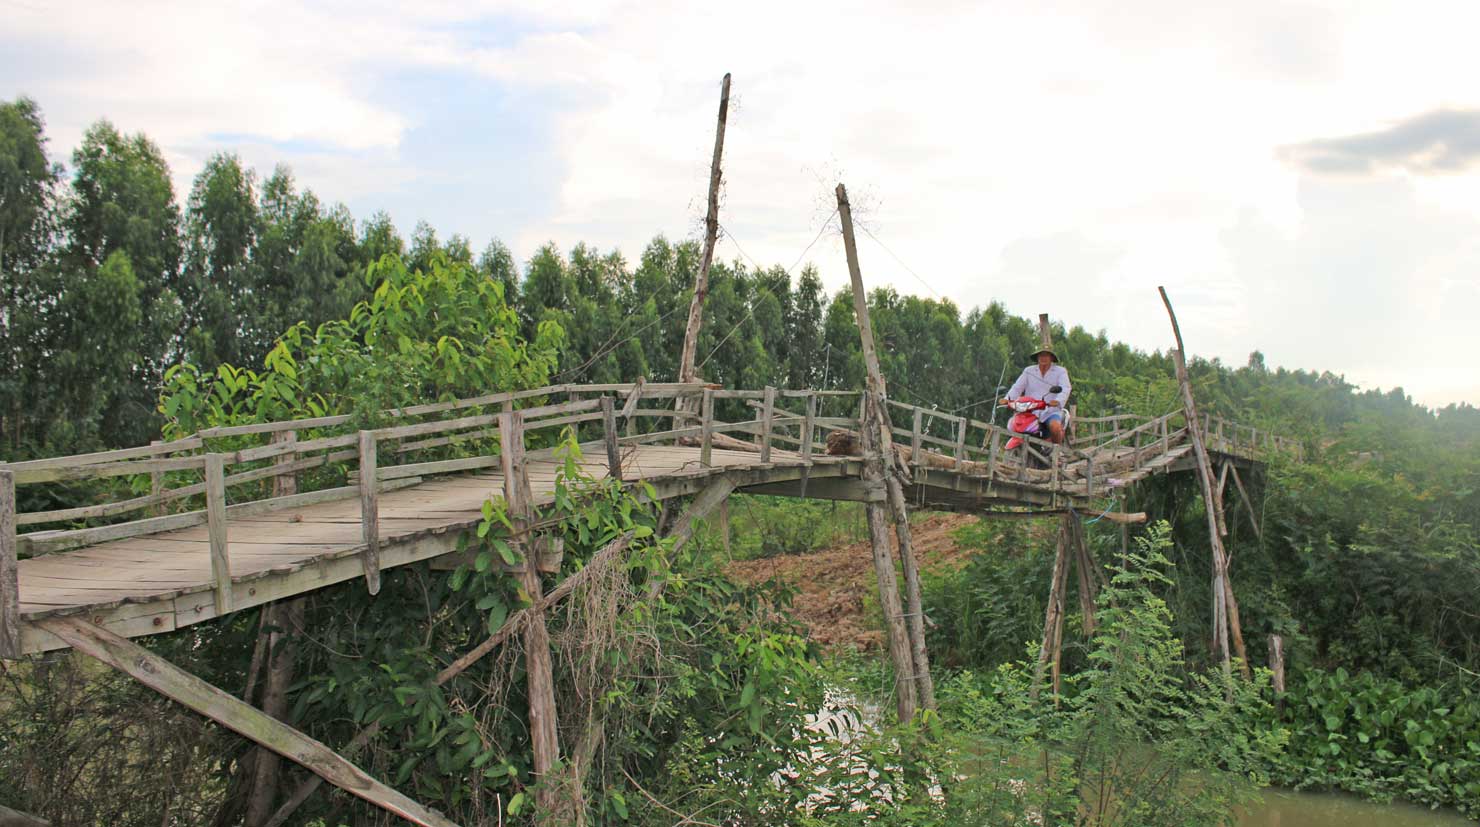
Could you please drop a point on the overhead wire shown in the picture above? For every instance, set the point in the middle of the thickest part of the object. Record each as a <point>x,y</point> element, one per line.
<point>751,311</point>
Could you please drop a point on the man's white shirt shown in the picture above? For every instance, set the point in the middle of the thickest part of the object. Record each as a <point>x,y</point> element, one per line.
<point>1034,383</point>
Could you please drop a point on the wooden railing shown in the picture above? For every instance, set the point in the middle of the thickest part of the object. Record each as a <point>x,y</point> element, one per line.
<point>243,470</point>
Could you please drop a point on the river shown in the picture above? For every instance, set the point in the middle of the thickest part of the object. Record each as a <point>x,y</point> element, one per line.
<point>1290,809</point>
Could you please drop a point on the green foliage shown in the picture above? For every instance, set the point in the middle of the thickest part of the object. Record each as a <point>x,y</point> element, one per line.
<point>763,526</point>
<point>1136,739</point>
<point>1381,739</point>
<point>438,334</point>
<point>983,612</point>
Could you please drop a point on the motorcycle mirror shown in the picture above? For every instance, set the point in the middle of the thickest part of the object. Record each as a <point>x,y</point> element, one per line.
<point>1056,389</point>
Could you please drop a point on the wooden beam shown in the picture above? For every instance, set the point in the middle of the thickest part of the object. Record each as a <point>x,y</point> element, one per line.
<point>1248,503</point>
<point>10,586</point>
<point>192,692</point>
<point>16,818</point>
<point>686,369</point>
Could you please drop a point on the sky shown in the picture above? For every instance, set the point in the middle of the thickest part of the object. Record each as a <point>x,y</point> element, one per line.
<point>1303,177</point>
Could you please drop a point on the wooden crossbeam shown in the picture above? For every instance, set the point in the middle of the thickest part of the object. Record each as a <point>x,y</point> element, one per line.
<point>188,690</point>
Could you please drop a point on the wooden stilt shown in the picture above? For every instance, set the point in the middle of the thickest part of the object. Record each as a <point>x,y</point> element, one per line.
<point>180,686</point>
<point>1089,584</point>
<point>877,415</point>
<point>1277,670</point>
<point>539,669</point>
<point>1226,621</point>
<point>1053,617</point>
<point>287,617</point>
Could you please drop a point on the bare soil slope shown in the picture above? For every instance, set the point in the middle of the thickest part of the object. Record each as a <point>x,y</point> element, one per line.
<point>838,596</point>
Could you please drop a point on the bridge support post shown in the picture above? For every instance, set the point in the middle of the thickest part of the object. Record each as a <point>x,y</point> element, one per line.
<point>1226,621</point>
<point>878,441</point>
<point>1050,651</point>
<point>543,736</point>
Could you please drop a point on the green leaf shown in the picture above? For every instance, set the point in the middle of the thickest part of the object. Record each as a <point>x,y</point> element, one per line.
<point>516,804</point>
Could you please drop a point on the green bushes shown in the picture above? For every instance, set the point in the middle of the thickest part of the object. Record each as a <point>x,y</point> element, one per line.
<point>984,611</point>
<point>1381,739</point>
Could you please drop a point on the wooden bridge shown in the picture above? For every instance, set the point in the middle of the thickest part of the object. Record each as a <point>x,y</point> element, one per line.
<point>224,526</point>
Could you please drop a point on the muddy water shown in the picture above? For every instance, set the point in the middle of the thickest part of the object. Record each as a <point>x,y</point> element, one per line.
<point>1287,809</point>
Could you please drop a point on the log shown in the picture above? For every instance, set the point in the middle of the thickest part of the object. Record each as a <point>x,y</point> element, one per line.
<point>1049,649</point>
<point>192,692</point>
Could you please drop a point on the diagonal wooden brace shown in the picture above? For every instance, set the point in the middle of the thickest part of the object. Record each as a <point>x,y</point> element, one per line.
<point>186,689</point>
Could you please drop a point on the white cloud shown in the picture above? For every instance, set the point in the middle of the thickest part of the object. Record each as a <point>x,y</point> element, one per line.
<point>1106,148</point>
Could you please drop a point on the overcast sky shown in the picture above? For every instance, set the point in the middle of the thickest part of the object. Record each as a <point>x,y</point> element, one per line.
<point>1303,177</point>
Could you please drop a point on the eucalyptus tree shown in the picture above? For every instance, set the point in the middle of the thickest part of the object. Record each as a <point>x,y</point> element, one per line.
<point>221,226</point>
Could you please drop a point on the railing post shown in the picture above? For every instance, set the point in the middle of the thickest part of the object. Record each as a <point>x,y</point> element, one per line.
<point>609,426</point>
<point>961,439</point>
<point>156,485</point>
<point>808,425</point>
<point>768,414</point>
<point>369,511</point>
<point>1166,435</point>
<point>706,429</point>
<point>10,579</point>
<point>216,528</point>
<point>993,438</point>
<point>915,440</point>
<point>286,483</point>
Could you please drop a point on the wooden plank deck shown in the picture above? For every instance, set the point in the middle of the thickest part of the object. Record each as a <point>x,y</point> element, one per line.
<point>158,582</point>
<point>163,581</point>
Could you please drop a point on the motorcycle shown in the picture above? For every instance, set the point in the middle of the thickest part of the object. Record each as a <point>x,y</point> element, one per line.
<point>1025,421</point>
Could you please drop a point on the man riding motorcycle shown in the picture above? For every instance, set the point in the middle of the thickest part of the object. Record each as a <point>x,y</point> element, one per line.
<point>1046,380</point>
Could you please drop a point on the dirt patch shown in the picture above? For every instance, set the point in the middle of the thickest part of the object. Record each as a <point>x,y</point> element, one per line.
<point>836,586</point>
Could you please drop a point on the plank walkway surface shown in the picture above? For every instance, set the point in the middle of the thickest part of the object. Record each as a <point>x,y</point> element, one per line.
<point>164,573</point>
<point>169,573</point>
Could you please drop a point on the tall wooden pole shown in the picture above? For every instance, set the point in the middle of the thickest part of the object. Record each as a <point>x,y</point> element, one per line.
<point>686,369</point>
<point>1226,620</point>
<point>539,669</point>
<point>877,414</point>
